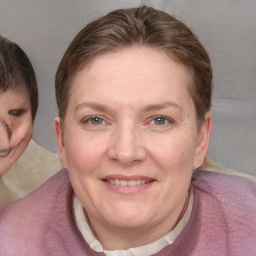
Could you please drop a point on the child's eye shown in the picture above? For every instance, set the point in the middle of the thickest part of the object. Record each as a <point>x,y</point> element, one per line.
<point>15,112</point>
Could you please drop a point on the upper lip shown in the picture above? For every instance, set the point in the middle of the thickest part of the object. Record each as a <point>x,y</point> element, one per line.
<point>5,152</point>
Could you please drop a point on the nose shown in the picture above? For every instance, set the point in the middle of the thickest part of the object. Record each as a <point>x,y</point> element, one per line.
<point>126,146</point>
<point>5,135</point>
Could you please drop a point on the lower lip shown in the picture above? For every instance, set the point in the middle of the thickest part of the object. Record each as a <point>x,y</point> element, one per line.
<point>128,189</point>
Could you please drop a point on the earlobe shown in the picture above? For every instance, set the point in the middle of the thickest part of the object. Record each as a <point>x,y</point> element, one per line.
<point>203,141</point>
<point>60,141</point>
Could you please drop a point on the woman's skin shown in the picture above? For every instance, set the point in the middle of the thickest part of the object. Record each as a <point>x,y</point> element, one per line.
<point>130,142</point>
<point>16,127</point>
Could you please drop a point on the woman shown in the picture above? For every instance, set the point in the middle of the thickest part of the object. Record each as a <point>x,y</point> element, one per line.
<point>134,95</point>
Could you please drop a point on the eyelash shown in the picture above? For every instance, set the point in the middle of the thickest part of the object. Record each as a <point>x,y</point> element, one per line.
<point>16,112</point>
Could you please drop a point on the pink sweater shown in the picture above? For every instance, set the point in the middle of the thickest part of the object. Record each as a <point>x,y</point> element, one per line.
<point>222,222</point>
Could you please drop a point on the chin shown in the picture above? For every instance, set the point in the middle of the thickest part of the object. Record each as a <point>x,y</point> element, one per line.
<point>129,217</point>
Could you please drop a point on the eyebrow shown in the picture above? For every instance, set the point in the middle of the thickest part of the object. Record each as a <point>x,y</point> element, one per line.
<point>92,105</point>
<point>148,108</point>
<point>163,105</point>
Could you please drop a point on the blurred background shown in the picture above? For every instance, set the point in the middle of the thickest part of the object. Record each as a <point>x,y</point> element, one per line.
<point>227,29</point>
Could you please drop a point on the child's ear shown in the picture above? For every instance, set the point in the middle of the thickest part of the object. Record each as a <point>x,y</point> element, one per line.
<point>203,141</point>
<point>59,136</point>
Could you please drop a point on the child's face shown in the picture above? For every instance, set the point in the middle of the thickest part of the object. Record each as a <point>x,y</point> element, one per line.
<point>16,127</point>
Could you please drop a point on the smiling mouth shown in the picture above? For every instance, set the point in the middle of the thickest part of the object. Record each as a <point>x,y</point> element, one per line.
<point>130,183</point>
<point>5,152</point>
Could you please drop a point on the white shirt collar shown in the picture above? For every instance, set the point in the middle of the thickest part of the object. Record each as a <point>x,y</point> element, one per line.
<point>148,249</point>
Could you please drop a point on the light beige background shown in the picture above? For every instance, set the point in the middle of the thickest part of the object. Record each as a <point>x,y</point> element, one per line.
<point>226,28</point>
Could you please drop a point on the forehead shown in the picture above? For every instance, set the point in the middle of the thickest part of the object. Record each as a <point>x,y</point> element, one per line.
<point>131,73</point>
<point>13,98</point>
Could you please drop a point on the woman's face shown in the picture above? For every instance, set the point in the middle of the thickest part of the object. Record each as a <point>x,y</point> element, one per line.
<point>16,127</point>
<point>130,140</point>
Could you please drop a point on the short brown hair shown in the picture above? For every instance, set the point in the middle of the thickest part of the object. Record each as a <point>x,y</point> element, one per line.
<point>138,26</point>
<point>16,72</point>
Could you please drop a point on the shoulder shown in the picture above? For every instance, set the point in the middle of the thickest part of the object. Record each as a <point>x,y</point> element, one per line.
<point>26,219</point>
<point>227,203</point>
<point>223,184</point>
<point>33,168</point>
<point>42,198</point>
<point>230,190</point>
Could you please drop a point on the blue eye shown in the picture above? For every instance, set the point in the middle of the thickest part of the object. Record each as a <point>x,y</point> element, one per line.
<point>160,120</point>
<point>96,120</point>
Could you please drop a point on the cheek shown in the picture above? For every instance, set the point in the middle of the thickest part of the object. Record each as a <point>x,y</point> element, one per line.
<point>176,149</point>
<point>23,130</point>
<point>28,133</point>
<point>28,128</point>
<point>83,153</point>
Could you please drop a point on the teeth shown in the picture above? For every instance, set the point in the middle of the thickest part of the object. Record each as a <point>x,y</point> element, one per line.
<point>127,182</point>
<point>138,182</point>
<point>5,152</point>
<point>123,183</point>
<point>131,183</point>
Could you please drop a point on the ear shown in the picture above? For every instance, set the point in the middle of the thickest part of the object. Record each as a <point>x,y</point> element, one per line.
<point>59,136</point>
<point>203,141</point>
